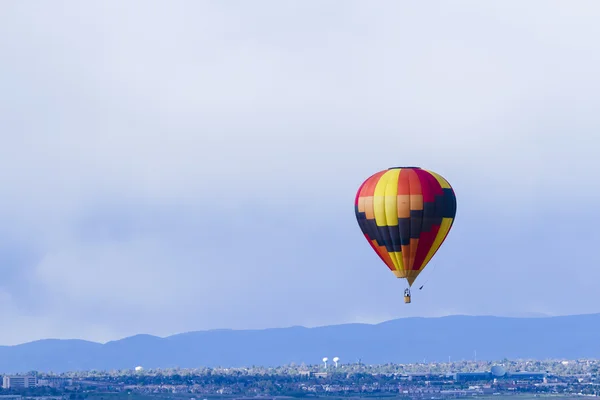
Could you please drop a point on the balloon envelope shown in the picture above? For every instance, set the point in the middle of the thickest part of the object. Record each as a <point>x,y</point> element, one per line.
<point>405,213</point>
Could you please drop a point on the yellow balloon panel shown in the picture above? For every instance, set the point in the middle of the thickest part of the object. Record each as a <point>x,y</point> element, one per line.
<point>405,215</point>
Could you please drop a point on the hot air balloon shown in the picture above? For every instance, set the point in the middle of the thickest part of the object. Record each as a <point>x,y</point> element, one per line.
<point>405,214</point>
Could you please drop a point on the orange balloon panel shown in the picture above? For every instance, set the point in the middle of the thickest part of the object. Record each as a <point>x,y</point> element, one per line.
<point>405,214</point>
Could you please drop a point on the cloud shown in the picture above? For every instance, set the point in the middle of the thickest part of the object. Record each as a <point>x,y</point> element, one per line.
<point>193,166</point>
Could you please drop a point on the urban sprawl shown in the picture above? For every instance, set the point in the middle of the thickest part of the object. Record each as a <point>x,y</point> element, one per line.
<point>424,380</point>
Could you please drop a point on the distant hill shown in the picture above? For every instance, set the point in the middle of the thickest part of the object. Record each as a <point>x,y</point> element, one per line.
<point>400,341</point>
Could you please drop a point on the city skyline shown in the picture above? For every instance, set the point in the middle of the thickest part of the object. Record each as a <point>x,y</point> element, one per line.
<point>510,377</point>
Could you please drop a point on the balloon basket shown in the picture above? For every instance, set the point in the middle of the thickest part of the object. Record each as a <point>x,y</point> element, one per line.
<point>407,299</point>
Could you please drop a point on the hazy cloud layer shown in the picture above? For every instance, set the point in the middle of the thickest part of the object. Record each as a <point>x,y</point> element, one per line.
<point>166,168</point>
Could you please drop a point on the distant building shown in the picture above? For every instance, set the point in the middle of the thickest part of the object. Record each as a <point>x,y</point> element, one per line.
<point>472,376</point>
<point>499,375</point>
<point>18,381</point>
<point>526,376</point>
<point>418,376</point>
<point>54,382</point>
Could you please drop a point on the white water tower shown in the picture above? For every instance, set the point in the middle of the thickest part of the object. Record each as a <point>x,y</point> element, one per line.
<point>335,360</point>
<point>325,359</point>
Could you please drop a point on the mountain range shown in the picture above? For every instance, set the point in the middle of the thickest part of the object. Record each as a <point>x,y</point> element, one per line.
<point>402,340</point>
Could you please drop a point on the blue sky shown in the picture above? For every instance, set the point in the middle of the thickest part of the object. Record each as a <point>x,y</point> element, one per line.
<point>193,165</point>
